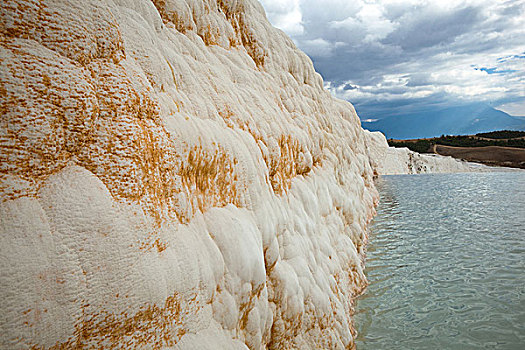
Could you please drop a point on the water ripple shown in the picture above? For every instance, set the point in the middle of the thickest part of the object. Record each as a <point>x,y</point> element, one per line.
<point>446,264</point>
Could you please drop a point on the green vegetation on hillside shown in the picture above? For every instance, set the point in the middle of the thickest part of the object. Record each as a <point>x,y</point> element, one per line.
<point>502,134</point>
<point>473,141</point>
<point>420,146</point>
<point>514,139</point>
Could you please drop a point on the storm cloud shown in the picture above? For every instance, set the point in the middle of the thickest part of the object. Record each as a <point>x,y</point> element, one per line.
<point>392,56</point>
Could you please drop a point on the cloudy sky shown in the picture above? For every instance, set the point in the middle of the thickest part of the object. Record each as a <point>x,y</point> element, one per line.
<point>394,56</point>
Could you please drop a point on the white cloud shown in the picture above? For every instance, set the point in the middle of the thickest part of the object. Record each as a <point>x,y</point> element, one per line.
<point>513,108</point>
<point>412,51</point>
<point>377,26</point>
<point>285,15</point>
<point>369,20</point>
<point>349,23</point>
<point>320,47</point>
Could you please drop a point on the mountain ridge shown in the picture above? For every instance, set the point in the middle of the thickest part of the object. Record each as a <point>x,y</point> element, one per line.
<point>461,120</point>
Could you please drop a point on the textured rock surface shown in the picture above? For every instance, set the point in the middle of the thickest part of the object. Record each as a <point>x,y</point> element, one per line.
<point>395,161</point>
<point>173,175</point>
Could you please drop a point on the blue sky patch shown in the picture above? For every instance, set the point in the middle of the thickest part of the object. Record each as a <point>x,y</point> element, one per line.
<point>495,70</point>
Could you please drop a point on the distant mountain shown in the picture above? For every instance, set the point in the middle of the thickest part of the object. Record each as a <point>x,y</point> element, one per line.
<point>464,120</point>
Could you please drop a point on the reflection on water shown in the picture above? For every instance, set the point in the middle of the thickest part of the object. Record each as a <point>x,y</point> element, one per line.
<point>446,264</point>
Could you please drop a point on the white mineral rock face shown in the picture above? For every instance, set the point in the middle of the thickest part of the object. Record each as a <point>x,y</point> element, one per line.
<point>395,161</point>
<point>173,175</point>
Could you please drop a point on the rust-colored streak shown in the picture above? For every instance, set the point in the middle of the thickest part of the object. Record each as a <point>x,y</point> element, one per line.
<point>153,325</point>
<point>211,177</point>
<point>242,33</point>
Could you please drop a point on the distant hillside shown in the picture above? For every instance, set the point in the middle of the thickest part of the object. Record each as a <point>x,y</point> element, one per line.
<point>470,119</point>
<point>502,134</point>
<point>501,148</point>
<point>489,155</point>
<point>515,139</point>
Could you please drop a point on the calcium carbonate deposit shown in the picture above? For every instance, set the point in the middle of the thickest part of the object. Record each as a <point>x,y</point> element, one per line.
<point>395,161</point>
<point>173,175</point>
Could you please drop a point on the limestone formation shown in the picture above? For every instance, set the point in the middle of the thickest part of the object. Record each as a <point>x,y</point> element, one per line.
<point>396,161</point>
<point>173,175</point>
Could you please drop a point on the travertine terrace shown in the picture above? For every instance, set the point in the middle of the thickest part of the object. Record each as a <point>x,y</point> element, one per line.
<point>396,161</point>
<point>173,175</point>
